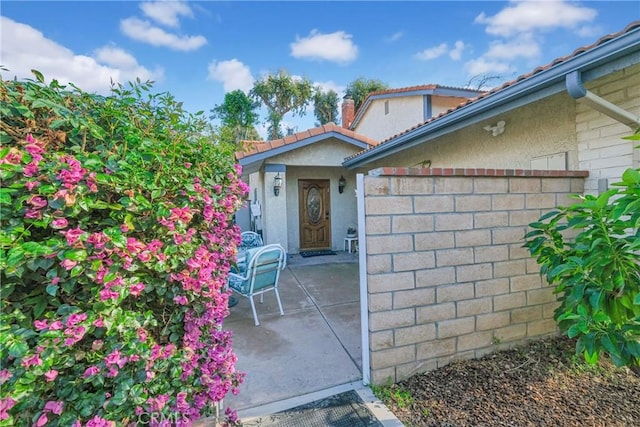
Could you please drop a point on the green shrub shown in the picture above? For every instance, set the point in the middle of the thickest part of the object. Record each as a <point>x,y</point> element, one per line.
<point>116,240</point>
<point>597,273</point>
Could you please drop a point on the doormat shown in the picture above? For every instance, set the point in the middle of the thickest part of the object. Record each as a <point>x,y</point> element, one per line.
<point>342,410</point>
<point>316,253</point>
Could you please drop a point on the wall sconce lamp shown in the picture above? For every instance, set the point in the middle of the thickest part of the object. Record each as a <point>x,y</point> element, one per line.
<point>341,183</point>
<point>496,129</point>
<point>277,184</point>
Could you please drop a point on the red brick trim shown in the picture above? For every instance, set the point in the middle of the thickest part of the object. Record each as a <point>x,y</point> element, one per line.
<point>390,171</point>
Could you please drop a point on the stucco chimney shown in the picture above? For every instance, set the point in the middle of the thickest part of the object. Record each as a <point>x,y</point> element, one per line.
<point>348,111</point>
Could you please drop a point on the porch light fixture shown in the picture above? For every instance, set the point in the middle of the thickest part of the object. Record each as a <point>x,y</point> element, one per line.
<point>277,185</point>
<point>341,183</point>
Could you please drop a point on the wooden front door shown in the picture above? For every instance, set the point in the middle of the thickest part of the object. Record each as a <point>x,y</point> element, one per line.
<point>315,214</point>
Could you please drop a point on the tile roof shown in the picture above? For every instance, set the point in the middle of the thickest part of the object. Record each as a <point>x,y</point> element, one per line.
<point>535,71</point>
<point>250,148</point>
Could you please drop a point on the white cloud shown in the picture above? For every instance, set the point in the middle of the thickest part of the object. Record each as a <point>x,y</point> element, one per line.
<point>335,47</point>
<point>482,66</point>
<point>166,12</point>
<point>24,48</point>
<point>233,74</point>
<point>330,85</point>
<point>523,46</point>
<point>394,37</point>
<point>145,32</point>
<point>527,16</point>
<point>432,52</point>
<point>456,52</point>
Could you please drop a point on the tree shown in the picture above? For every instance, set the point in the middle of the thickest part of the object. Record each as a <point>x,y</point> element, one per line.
<point>281,93</point>
<point>325,106</point>
<point>361,87</point>
<point>237,113</point>
<point>596,272</point>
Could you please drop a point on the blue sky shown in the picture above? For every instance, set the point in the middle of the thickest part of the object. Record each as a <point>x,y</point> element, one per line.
<point>198,51</point>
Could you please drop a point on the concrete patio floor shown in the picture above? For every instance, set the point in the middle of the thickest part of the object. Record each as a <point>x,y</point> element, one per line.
<point>313,351</point>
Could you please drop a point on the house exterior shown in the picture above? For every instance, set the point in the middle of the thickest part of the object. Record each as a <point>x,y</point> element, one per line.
<point>569,114</point>
<point>444,275</point>
<point>389,112</point>
<point>310,210</point>
<point>310,166</point>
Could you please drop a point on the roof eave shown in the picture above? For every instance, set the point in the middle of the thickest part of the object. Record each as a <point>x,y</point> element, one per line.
<point>260,157</point>
<point>617,52</point>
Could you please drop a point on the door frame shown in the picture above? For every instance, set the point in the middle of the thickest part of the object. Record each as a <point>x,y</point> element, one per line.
<point>301,209</point>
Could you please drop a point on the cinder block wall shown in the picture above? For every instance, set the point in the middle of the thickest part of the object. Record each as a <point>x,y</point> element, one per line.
<point>601,147</point>
<point>447,275</point>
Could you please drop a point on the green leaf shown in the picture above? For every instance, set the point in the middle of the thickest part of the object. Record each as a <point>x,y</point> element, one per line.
<point>38,75</point>
<point>75,254</point>
<point>52,290</point>
<point>631,177</point>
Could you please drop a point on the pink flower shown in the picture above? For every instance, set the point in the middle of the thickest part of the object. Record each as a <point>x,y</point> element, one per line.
<point>30,169</point>
<point>98,323</point>
<point>50,375</point>
<point>33,214</point>
<point>99,422</point>
<point>37,202</point>
<point>142,334</point>
<point>97,345</point>
<point>76,318</point>
<point>90,371</point>
<point>55,280</point>
<point>124,228</point>
<point>54,407</point>
<point>136,289</point>
<point>72,235</point>
<point>68,264</point>
<point>56,326</point>
<point>40,324</point>
<point>5,375</point>
<point>59,223</point>
<point>115,358</point>
<point>106,294</point>
<point>180,299</point>
<point>134,245</point>
<point>98,240</point>
<point>6,404</point>
<point>32,360</point>
<point>31,185</point>
<point>41,421</point>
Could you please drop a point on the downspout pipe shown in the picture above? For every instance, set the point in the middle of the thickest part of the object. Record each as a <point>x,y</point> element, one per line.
<point>576,89</point>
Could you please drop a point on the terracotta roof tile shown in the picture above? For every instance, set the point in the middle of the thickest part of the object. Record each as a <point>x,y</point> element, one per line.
<point>505,85</point>
<point>253,147</point>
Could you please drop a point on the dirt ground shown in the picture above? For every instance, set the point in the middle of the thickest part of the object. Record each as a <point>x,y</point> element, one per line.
<point>539,384</point>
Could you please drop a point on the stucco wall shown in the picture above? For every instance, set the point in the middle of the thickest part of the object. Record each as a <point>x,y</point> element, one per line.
<point>543,128</point>
<point>447,277</point>
<point>601,149</point>
<point>331,152</point>
<point>404,112</point>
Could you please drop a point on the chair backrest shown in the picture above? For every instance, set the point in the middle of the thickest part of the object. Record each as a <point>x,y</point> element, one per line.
<point>265,264</point>
<point>250,239</point>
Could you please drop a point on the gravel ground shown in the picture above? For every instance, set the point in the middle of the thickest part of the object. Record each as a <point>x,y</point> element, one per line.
<point>542,383</point>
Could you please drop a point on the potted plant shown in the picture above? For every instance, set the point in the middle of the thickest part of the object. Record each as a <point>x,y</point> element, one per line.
<point>351,232</point>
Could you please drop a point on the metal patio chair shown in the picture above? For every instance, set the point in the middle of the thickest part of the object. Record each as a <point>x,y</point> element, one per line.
<point>260,276</point>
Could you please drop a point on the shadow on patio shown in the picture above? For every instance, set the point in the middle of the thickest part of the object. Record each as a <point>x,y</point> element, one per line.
<point>315,346</point>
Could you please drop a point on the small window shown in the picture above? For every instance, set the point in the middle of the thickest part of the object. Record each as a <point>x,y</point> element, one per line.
<point>386,107</point>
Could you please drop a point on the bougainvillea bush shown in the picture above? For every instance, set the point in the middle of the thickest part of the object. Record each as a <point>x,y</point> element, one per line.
<point>116,240</point>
